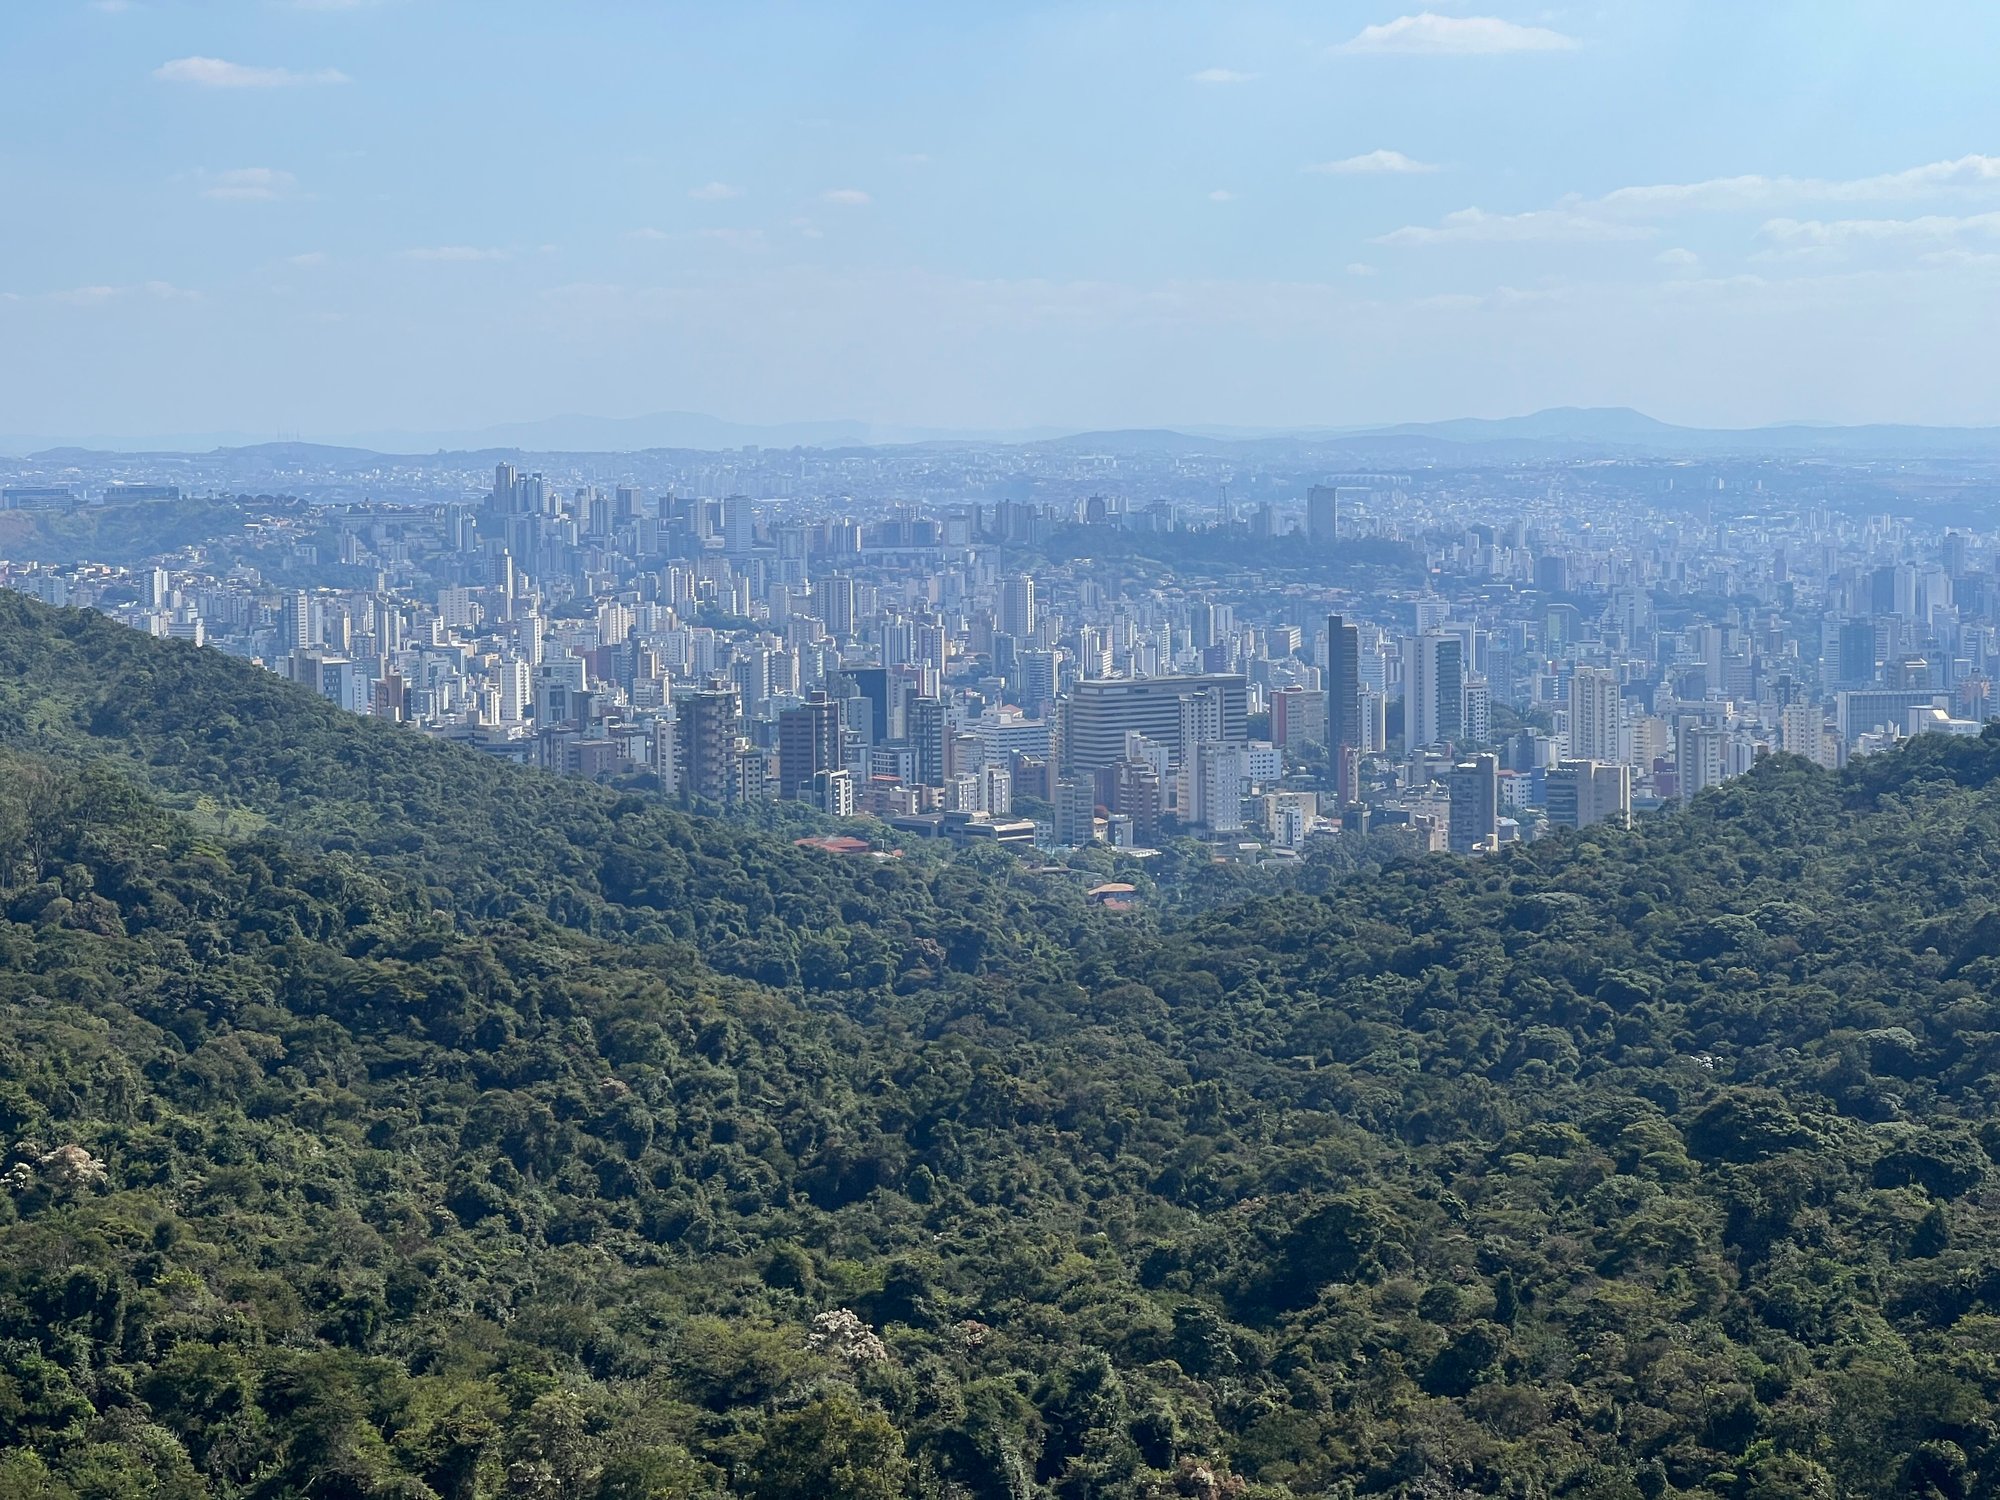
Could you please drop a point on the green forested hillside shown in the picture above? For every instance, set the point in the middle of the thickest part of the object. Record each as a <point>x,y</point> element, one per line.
<point>466,1133</point>
<point>486,840</point>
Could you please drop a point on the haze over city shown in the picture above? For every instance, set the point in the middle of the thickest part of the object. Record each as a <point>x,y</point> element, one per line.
<point>365,218</point>
<point>860,751</point>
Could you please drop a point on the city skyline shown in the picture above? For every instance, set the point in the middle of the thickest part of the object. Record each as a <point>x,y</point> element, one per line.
<point>320,218</point>
<point>1457,657</point>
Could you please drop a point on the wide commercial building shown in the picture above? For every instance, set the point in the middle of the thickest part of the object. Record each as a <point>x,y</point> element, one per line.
<point>1582,792</point>
<point>1873,710</point>
<point>1102,711</point>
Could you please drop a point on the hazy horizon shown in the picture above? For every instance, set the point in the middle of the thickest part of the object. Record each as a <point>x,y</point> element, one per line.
<point>338,217</point>
<point>579,432</point>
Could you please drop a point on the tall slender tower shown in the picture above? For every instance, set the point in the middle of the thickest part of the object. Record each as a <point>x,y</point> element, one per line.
<point>1343,702</point>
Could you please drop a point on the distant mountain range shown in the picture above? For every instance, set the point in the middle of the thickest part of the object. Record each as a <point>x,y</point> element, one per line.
<point>1583,431</point>
<point>1621,427</point>
<point>568,434</point>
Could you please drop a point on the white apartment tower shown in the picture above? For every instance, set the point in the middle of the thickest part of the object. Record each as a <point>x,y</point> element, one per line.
<point>1596,715</point>
<point>1698,757</point>
<point>1017,607</point>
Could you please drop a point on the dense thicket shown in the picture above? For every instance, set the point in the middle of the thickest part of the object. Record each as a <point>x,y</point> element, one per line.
<point>406,1147</point>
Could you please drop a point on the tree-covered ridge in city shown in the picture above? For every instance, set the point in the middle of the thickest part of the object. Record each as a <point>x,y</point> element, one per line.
<point>484,838</point>
<point>128,532</point>
<point>1629,1164</point>
<point>1359,563</point>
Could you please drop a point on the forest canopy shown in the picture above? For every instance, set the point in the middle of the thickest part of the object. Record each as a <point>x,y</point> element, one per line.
<point>381,1120</point>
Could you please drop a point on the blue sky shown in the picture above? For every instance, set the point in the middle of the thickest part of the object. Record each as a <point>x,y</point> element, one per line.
<point>332,216</point>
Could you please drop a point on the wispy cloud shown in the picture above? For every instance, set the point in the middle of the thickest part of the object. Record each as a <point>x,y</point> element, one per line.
<point>1220,75</point>
<point>458,254</point>
<point>846,197</point>
<point>214,73</point>
<point>1222,195</point>
<point>1621,213</point>
<point>308,260</point>
<point>251,185</point>
<point>1372,161</point>
<point>1457,36</point>
<point>737,239</point>
<point>1965,174</point>
<point>97,296</point>
<point>714,192</point>
<point>1879,231</point>
<point>1476,226</point>
<point>1960,258</point>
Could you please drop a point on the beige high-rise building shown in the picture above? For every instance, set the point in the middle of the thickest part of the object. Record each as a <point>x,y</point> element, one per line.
<point>1699,759</point>
<point>1802,731</point>
<point>1596,715</point>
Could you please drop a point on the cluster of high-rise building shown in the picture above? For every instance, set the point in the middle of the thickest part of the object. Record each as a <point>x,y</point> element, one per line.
<point>1467,657</point>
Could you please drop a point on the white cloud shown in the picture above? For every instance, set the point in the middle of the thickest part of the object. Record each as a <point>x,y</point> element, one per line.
<point>97,296</point>
<point>1360,268</point>
<point>1220,75</point>
<point>1370,162</point>
<point>1678,259</point>
<point>736,239</point>
<point>1965,174</point>
<point>1693,288</point>
<point>1715,193</point>
<point>1958,258</point>
<point>1221,195</point>
<point>461,254</point>
<point>846,197</point>
<point>714,192</point>
<point>214,73</point>
<point>914,159</point>
<point>1801,255</point>
<point>251,185</point>
<point>309,259</point>
<point>1460,36</point>
<point>1476,226</point>
<point>1613,215</point>
<point>1880,231</point>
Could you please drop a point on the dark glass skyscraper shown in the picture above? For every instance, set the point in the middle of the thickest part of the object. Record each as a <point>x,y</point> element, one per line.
<point>1343,699</point>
